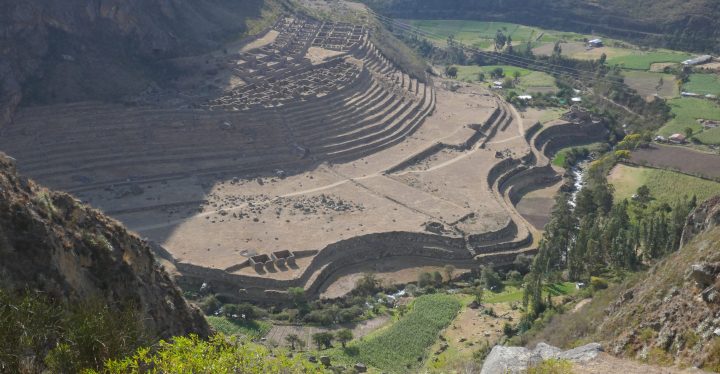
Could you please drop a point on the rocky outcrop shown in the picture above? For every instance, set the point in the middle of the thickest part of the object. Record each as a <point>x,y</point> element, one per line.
<point>672,310</point>
<point>514,360</point>
<point>705,217</point>
<point>52,243</point>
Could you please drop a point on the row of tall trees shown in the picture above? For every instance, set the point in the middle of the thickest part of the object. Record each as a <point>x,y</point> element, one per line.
<point>600,235</point>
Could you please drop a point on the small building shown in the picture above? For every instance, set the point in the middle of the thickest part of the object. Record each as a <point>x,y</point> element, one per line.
<point>688,94</point>
<point>525,97</point>
<point>677,138</point>
<point>661,139</point>
<point>576,100</point>
<point>595,43</point>
<point>697,60</point>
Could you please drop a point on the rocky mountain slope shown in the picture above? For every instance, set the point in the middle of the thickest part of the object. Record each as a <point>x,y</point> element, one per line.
<point>73,50</point>
<point>672,314</point>
<point>681,24</point>
<point>52,243</point>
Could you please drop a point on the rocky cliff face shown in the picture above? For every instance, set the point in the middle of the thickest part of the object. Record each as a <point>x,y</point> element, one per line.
<point>672,314</point>
<point>55,51</point>
<point>51,242</point>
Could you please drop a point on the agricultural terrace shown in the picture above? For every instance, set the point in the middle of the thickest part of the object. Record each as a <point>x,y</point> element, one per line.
<point>481,34</point>
<point>687,111</point>
<point>707,83</point>
<point>528,80</point>
<point>640,60</point>
<point>398,347</point>
<point>677,158</point>
<point>648,83</point>
<point>665,186</point>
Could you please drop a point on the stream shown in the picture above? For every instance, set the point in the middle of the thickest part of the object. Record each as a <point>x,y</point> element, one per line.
<point>578,174</point>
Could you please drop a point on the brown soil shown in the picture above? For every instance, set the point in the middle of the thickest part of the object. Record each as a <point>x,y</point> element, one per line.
<point>678,158</point>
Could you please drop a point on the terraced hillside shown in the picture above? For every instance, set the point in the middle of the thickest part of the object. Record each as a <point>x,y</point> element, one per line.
<point>300,158</point>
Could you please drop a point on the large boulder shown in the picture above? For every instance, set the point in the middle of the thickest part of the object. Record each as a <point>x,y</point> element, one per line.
<point>512,360</point>
<point>704,274</point>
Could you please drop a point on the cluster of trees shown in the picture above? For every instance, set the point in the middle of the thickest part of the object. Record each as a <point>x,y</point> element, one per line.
<point>600,235</point>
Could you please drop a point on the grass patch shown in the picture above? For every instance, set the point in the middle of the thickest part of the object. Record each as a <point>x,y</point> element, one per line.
<point>398,347</point>
<point>665,186</point>
<point>514,294</point>
<point>711,136</point>
<point>687,110</point>
<point>529,81</point>
<point>642,60</point>
<point>251,329</point>
<point>481,34</point>
<point>703,84</point>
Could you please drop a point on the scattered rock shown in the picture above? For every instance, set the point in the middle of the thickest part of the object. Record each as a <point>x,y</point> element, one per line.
<point>360,368</point>
<point>704,274</point>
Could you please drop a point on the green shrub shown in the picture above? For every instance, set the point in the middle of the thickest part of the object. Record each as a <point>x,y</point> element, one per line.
<point>65,338</point>
<point>552,366</point>
<point>598,283</point>
<point>218,355</point>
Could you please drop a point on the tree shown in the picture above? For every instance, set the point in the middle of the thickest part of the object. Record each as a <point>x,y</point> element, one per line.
<point>367,284</point>
<point>516,75</point>
<point>643,194</point>
<point>481,76</point>
<point>688,132</point>
<point>603,59</point>
<point>490,278</point>
<point>297,295</point>
<point>449,270</point>
<point>293,340</point>
<point>323,339</point>
<point>424,279</point>
<point>477,293</point>
<point>451,71</point>
<point>500,40</point>
<point>437,278</point>
<point>557,50</point>
<point>344,336</point>
<point>497,73</point>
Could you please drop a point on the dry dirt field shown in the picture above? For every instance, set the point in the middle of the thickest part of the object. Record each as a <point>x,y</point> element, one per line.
<point>681,159</point>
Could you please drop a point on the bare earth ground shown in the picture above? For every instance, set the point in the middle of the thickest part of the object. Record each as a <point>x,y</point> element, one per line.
<point>679,158</point>
<point>301,211</point>
<point>537,205</point>
<point>268,38</point>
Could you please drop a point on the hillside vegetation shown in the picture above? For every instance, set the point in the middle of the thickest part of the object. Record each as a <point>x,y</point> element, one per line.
<point>74,280</point>
<point>677,24</point>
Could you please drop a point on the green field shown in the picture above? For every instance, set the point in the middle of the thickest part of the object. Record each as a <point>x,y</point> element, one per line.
<point>639,60</point>
<point>665,186</point>
<point>480,34</point>
<point>529,81</point>
<point>703,84</point>
<point>515,294</point>
<point>397,348</point>
<point>251,329</point>
<point>687,111</point>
